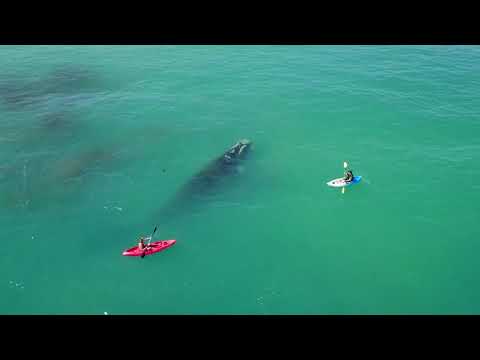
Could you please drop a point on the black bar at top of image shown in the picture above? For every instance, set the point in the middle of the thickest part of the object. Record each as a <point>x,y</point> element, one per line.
<point>318,26</point>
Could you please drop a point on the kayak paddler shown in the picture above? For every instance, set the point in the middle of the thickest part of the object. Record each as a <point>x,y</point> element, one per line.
<point>142,246</point>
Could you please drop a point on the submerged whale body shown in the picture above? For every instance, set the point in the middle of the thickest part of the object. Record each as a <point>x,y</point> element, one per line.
<point>224,165</point>
<point>211,176</point>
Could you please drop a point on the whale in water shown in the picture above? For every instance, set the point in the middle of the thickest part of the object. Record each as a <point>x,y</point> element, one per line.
<point>209,178</point>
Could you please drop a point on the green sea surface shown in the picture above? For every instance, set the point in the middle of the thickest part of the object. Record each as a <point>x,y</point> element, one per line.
<point>95,141</point>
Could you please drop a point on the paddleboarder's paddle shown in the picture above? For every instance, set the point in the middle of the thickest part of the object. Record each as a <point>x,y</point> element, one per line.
<point>345,165</point>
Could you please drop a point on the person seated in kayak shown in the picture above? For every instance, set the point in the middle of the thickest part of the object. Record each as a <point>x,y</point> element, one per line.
<point>348,176</point>
<point>141,244</point>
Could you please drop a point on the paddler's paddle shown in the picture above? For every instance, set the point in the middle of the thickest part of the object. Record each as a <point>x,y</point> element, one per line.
<point>345,165</point>
<point>146,247</point>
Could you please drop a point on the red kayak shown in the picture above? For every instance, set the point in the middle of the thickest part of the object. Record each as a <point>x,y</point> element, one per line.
<point>154,247</point>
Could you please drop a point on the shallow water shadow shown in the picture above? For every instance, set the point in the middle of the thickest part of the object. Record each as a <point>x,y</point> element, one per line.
<point>19,92</point>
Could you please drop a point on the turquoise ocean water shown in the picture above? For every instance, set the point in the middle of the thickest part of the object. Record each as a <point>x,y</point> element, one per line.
<point>96,140</point>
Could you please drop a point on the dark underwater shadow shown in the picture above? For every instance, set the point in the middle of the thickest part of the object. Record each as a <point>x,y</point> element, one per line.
<point>19,92</point>
<point>38,183</point>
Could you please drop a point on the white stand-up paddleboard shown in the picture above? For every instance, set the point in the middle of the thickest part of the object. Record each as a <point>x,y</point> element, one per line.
<point>340,182</point>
